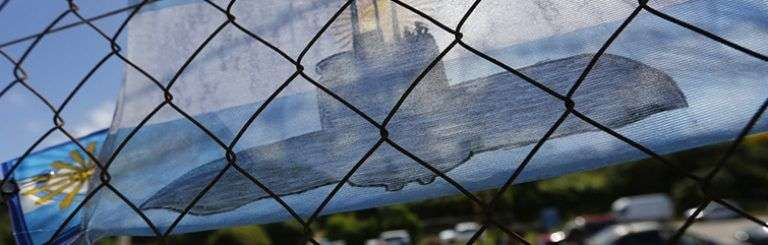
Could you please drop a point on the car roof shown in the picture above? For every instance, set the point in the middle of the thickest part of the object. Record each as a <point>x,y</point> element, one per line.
<point>617,230</point>
<point>394,233</point>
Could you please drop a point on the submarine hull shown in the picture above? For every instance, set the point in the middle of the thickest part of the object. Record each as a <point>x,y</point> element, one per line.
<point>444,127</point>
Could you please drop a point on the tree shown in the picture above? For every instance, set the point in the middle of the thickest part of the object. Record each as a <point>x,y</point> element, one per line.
<point>349,228</point>
<point>245,235</point>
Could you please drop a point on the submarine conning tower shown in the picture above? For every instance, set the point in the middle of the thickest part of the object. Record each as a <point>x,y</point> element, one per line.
<point>381,65</point>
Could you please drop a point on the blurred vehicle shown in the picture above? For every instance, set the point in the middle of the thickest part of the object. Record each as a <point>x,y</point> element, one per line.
<point>460,234</point>
<point>447,237</point>
<point>325,241</point>
<point>651,207</point>
<point>373,241</point>
<point>395,237</point>
<point>755,235</point>
<point>579,229</point>
<point>714,211</point>
<point>465,230</point>
<point>642,233</point>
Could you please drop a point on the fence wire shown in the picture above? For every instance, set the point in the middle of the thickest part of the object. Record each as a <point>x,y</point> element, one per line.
<point>703,182</point>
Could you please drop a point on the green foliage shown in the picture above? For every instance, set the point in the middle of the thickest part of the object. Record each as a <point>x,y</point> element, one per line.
<point>588,181</point>
<point>349,228</point>
<point>289,232</point>
<point>355,229</point>
<point>245,235</point>
<point>400,217</point>
<point>6,235</point>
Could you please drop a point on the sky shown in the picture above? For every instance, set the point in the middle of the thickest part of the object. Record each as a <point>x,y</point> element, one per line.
<point>54,67</point>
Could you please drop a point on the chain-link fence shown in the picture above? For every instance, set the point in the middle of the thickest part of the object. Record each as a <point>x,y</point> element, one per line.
<point>490,220</point>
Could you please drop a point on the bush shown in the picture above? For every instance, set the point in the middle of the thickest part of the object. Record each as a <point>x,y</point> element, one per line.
<point>245,235</point>
<point>349,228</point>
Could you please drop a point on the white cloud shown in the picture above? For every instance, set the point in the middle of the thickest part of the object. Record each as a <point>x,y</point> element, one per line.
<point>98,118</point>
<point>95,119</point>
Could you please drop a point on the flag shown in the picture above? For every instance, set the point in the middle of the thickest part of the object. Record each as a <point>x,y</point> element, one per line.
<point>51,183</point>
<point>470,118</point>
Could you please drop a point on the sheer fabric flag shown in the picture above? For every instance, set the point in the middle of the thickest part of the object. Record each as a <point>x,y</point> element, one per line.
<point>659,84</point>
<point>51,183</point>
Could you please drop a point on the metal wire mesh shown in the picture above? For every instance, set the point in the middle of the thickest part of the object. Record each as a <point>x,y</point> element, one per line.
<point>704,182</point>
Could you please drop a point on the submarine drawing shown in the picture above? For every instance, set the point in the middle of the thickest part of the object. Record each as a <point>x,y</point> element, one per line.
<point>441,123</point>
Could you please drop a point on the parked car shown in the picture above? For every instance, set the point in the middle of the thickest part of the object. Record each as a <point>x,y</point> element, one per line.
<point>714,211</point>
<point>460,234</point>
<point>374,241</point>
<point>325,241</point>
<point>579,229</point>
<point>465,230</point>
<point>642,233</point>
<point>651,207</point>
<point>756,235</point>
<point>395,237</point>
<point>447,237</point>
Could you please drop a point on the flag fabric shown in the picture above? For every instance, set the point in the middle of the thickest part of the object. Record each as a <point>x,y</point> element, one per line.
<point>51,184</point>
<point>659,84</point>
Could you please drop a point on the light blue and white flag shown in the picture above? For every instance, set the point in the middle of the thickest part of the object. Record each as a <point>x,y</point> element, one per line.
<point>659,84</point>
<point>51,184</point>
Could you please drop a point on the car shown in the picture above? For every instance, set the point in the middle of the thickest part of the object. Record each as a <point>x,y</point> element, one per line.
<point>460,234</point>
<point>648,232</point>
<point>714,211</point>
<point>580,228</point>
<point>395,237</point>
<point>373,241</point>
<point>465,230</point>
<point>447,236</point>
<point>650,207</point>
<point>756,235</point>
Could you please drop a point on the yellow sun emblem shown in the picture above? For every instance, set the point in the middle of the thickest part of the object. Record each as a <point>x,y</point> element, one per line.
<point>65,179</point>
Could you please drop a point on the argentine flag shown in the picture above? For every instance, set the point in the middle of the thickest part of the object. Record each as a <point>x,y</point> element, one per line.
<point>51,183</point>
<point>659,84</point>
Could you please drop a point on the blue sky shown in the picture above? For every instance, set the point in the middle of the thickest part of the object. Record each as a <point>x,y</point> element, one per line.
<point>55,66</point>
